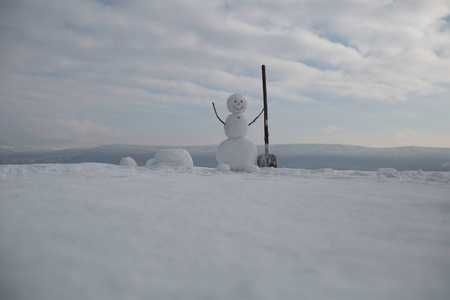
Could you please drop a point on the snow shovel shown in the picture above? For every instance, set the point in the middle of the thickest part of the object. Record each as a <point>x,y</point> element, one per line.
<point>266,159</point>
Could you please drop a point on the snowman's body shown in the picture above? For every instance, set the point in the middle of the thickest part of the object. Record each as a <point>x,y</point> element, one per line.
<point>236,126</point>
<point>236,153</point>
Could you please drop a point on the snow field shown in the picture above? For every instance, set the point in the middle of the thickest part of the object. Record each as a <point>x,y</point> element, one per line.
<point>97,231</point>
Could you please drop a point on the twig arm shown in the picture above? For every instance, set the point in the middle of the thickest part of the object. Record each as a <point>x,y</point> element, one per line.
<point>256,118</point>
<point>214,106</point>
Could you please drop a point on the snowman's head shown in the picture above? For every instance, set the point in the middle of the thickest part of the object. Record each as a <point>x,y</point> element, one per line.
<point>236,104</point>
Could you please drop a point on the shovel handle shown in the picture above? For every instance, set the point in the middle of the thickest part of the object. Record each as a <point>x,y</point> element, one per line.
<point>266,124</point>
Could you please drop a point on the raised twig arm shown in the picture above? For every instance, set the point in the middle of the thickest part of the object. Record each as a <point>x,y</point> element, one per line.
<point>214,106</point>
<point>256,118</point>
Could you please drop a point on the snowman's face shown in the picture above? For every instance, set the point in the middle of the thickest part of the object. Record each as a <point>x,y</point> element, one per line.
<point>236,104</point>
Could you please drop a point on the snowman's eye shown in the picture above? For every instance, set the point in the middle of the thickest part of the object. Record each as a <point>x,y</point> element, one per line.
<point>235,101</point>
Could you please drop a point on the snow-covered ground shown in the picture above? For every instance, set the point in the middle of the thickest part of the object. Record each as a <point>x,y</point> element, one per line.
<point>99,231</point>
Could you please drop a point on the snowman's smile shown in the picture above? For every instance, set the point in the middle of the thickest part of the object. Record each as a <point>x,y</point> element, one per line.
<point>237,108</point>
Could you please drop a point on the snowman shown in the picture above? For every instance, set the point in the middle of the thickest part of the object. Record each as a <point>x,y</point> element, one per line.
<point>236,152</point>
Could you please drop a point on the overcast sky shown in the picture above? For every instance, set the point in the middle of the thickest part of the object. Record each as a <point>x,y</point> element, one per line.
<point>90,72</point>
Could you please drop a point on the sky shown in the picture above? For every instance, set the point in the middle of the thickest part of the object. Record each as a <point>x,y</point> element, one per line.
<point>88,73</point>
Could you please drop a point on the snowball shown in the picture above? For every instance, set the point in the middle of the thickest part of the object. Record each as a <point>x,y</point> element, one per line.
<point>172,157</point>
<point>236,126</point>
<point>127,162</point>
<point>237,153</point>
<point>150,162</point>
<point>252,169</point>
<point>236,103</point>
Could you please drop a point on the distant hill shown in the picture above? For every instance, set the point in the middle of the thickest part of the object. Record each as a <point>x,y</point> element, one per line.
<point>301,156</point>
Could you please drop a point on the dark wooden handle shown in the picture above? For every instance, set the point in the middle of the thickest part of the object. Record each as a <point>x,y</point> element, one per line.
<point>266,124</point>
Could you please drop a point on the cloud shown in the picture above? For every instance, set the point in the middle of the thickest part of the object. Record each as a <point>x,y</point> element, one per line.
<point>406,114</point>
<point>85,132</point>
<point>407,134</point>
<point>410,137</point>
<point>155,40</point>
<point>77,59</point>
<point>331,129</point>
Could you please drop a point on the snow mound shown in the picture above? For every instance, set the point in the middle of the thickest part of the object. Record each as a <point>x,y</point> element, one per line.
<point>388,172</point>
<point>128,162</point>
<point>325,171</point>
<point>252,169</point>
<point>419,175</point>
<point>172,157</point>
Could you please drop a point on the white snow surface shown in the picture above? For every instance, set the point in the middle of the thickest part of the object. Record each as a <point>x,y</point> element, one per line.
<point>98,231</point>
<point>171,157</point>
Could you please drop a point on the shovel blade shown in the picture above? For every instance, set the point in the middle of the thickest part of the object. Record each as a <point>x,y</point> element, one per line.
<point>267,161</point>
